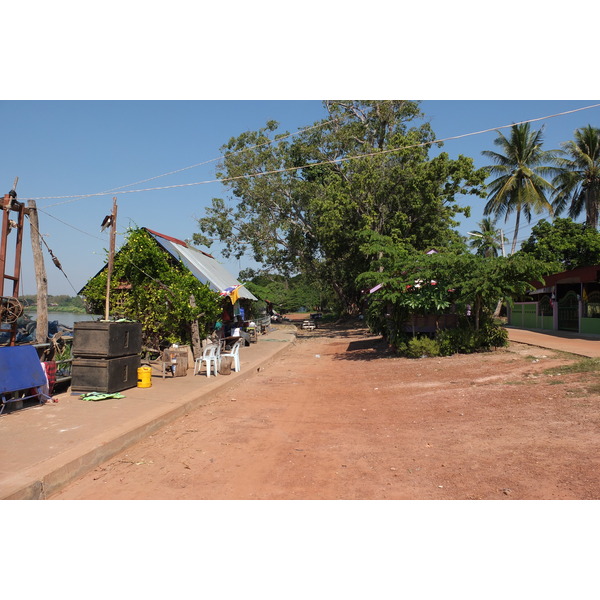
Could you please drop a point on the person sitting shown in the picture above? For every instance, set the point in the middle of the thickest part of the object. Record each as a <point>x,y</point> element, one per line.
<point>238,331</point>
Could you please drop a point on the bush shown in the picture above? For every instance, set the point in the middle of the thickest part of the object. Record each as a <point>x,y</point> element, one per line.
<point>419,347</point>
<point>457,341</point>
<point>492,336</point>
<point>462,340</point>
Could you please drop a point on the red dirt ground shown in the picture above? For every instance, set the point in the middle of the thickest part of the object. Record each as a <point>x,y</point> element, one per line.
<point>337,416</point>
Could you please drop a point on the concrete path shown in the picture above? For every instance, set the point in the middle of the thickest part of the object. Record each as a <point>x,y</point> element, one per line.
<point>583,345</point>
<point>45,447</point>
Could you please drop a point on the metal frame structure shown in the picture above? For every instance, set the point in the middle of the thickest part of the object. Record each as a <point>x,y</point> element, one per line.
<point>10,204</point>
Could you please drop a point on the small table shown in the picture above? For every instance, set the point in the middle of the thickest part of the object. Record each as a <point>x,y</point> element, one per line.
<point>230,340</point>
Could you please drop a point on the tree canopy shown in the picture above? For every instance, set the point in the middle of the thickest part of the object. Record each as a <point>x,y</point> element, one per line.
<point>521,186</point>
<point>578,180</point>
<point>563,244</point>
<point>301,205</point>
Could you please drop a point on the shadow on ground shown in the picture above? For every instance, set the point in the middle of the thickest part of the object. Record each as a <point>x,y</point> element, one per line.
<point>369,348</point>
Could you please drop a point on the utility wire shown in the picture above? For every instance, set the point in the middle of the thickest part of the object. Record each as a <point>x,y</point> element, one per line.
<point>314,164</point>
<point>71,226</point>
<point>206,162</point>
<point>54,258</point>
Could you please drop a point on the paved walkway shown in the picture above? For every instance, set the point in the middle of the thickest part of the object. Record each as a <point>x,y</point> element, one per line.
<point>583,345</point>
<point>44,447</point>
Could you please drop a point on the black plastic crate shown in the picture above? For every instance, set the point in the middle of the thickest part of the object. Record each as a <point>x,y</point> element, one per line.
<point>106,375</point>
<point>106,339</point>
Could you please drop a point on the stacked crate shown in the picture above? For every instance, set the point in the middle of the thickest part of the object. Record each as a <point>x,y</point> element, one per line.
<point>106,356</point>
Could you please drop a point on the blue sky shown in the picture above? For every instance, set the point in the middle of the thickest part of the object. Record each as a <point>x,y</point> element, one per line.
<point>62,149</point>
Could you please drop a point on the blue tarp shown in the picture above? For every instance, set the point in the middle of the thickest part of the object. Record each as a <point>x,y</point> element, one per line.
<point>20,369</point>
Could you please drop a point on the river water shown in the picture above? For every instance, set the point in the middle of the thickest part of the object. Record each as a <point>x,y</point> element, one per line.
<point>65,318</point>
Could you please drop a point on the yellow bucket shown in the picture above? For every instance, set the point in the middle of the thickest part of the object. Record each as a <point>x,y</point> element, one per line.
<point>144,377</point>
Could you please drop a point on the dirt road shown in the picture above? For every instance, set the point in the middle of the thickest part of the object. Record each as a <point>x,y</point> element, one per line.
<point>339,417</point>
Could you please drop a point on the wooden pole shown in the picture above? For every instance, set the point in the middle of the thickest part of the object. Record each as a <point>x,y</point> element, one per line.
<point>40,275</point>
<point>111,256</point>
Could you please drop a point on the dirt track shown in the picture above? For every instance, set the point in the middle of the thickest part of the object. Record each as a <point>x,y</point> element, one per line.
<point>339,417</point>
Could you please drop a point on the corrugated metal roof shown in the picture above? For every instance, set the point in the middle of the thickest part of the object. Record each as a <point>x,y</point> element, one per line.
<point>204,266</point>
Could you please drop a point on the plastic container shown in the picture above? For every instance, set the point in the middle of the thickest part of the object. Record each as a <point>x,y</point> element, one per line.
<point>106,339</point>
<point>104,375</point>
<point>144,377</point>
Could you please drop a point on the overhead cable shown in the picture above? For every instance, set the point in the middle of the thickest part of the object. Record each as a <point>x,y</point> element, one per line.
<point>206,162</point>
<point>73,198</point>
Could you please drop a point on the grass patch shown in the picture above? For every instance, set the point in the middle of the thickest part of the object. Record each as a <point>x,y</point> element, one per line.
<point>593,389</point>
<point>585,365</point>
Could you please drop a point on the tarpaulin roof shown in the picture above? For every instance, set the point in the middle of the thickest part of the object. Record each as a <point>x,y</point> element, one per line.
<point>204,266</point>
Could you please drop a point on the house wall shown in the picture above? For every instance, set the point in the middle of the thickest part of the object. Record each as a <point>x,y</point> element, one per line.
<point>590,325</point>
<point>524,315</point>
<point>575,304</point>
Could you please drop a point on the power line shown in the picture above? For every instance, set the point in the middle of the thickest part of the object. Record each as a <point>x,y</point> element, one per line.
<point>206,162</point>
<point>54,258</point>
<point>74,198</point>
<point>69,225</point>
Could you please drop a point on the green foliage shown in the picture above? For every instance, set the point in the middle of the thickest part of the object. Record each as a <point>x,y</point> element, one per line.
<point>288,294</point>
<point>488,240</point>
<point>463,340</point>
<point>563,244</point>
<point>421,347</point>
<point>577,182</point>
<point>158,292</point>
<point>309,219</point>
<point>521,186</point>
<point>492,335</point>
<point>415,285</point>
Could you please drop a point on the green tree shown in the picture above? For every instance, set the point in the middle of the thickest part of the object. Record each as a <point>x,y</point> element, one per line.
<point>488,240</point>
<point>578,181</point>
<point>301,206</point>
<point>520,186</point>
<point>289,294</point>
<point>563,244</point>
<point>150,286</point>
<point>407,285</point>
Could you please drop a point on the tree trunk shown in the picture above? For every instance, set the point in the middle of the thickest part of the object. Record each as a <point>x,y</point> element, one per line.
<point>41,335</point>
<point>514,242</point>
<point>498,309</point>
<point>477,310</point>
<point>196,343</point>
<point>591,201</point>
<point>350,307</point>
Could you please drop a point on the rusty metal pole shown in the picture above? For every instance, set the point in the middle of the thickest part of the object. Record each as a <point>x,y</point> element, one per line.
<point>9,203</point>
<point>111,256</point>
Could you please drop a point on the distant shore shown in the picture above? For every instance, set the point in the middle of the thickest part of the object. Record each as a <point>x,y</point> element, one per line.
<point>55,309</point>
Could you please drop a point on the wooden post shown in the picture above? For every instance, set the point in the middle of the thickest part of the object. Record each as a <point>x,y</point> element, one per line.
<point>40,275</point>
<point>111,256</point>
<point>196,342</point>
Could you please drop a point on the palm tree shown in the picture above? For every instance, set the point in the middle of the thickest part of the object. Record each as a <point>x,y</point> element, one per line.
<point>578,180</point>
<point>520,186</point>
<point>488,240</point>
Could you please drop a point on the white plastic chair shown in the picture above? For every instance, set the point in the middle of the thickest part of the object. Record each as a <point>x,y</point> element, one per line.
<point>235,354</point>
<point>211,358</point>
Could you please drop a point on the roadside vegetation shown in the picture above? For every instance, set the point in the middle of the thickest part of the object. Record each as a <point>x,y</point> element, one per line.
<point>359,213</point>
